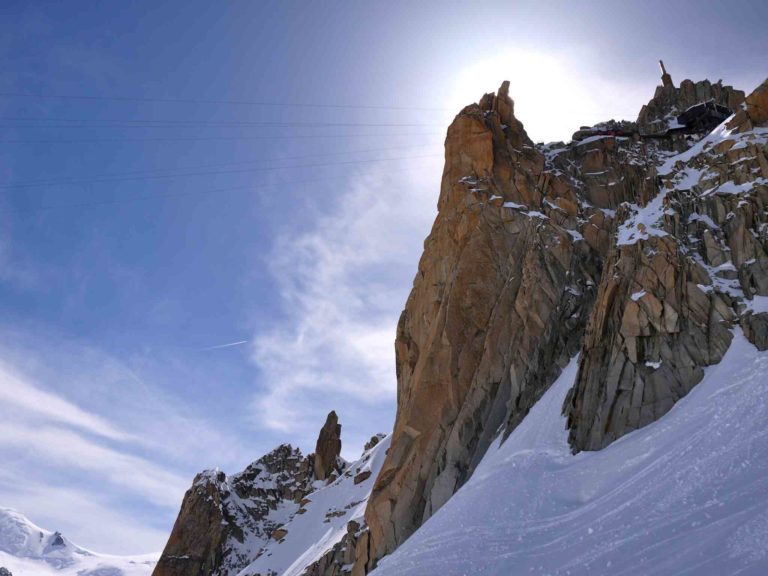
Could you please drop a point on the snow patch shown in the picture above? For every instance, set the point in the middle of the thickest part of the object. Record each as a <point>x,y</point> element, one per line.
<point>684,495</point>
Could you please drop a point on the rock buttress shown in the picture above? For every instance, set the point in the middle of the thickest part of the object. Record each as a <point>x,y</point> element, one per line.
<point>223,519</point>
<point>496,310</point>
<point>524,244</point>
<point>683,270</point>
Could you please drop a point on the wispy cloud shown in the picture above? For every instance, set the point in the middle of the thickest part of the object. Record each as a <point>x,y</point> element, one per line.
<point>83,515</point>
<point>228,345</point>
<point>343,283</point>
<point>21,397</point>
<point>122,451</point>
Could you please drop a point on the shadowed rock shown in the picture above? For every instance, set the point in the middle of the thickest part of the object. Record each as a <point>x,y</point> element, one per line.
<point>328,448</point>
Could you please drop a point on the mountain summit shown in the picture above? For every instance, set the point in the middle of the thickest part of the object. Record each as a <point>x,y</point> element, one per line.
<point>624,266</point>
<point>28,550</point>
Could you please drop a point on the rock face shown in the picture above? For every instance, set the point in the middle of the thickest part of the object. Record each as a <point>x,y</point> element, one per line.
<point>224,521</point>
<point>623,248</point>
<point>684,269</point>
<point>639,245</point>
<point>498,306</point>
<point>328,448</point>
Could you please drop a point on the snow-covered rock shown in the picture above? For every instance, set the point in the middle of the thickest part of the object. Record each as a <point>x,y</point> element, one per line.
<point>684,495</point>
<point>225,521</point>
<point>28,550</point>
<point>278,516</point>
<point>323,521</point>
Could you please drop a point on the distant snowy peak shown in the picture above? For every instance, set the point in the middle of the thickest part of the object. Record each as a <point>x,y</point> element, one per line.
<point>20,537</point>
<point>26,549</point>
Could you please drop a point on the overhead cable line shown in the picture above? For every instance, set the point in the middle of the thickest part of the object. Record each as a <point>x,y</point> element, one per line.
<point>76,180</point>
<point>142,197</point>
<point>215,101</point>
<point>218,138</point>
<point>217,172</point>
<point>147,123</point>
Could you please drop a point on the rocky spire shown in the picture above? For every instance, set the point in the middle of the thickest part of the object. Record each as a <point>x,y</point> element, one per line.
<point>666,79</point>
<point>328,447</point>
<point>490,321</point>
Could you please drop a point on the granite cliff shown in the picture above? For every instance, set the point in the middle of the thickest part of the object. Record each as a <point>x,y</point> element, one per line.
<point>226,522</point>
<point>638,246</point>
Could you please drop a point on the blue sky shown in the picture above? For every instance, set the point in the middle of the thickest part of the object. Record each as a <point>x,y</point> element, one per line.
<point>166,214</point>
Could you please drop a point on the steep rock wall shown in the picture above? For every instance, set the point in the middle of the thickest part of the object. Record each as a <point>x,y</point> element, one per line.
<point>524,250</point>
<point>497,308</point>
<point>682,271</point>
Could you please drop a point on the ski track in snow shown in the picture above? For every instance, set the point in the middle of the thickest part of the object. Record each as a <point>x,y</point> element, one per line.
<point>686,495</point>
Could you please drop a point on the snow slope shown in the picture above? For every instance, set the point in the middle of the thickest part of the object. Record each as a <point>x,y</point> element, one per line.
<point>685,495</point>
<point>28,550</point>
<point>324,521</point>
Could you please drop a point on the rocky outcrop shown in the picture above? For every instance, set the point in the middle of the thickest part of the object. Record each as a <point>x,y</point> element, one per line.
<point>755,112</point>
<point>669,101</point>
<point>498,307</point>
<point>539,252</point>
<point>328,448</point>
<point>652,332</point>
<point>683,270</point>
<point>223,520</point>
<point>338,559</point>
<point>322,537</point>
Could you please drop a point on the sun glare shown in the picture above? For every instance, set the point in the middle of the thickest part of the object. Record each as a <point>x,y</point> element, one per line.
<point>552,95</point>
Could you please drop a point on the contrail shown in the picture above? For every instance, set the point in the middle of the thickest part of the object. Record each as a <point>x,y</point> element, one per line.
<point>226,345</point>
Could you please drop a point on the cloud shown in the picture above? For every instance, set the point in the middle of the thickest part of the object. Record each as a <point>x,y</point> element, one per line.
<point>127,401</point>
<point>56,447</point>
<point>24,397</point>
<point>82,515</point>
<point>89,447</point>
<point>228,345</point>
<point>343,282</point>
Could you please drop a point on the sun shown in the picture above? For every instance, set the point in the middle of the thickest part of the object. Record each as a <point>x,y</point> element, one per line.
<point>553,95</point>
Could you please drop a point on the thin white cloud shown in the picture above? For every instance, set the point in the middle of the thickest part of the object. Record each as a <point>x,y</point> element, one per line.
<point>93,429</point>
<point>20,395</point>
<point>82,515</point>
<point>63,448</point>
<point>51,432</point>
<point>101,395</point>
<point>343,283</point>
<point>228,345</point>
